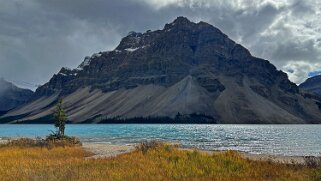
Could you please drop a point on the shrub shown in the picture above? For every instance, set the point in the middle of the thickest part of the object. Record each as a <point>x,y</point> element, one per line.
<point>59,140</point>
<point>25,142</point>
<point>312,162</point>
<point>49,142</point>
<point>147,145</point>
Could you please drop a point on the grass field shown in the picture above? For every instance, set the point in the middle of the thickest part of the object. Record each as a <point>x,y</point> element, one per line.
<point>160,162</point>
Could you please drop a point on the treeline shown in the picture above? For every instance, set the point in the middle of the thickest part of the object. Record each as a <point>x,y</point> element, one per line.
<point>99,119</point>
<point>179,119</point>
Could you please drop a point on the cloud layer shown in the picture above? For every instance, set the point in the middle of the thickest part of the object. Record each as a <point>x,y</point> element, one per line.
<point>38,37</point>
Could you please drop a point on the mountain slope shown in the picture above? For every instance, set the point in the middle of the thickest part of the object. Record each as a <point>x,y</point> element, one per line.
<point>312,84</point>
<point>11,96</point>
<point>184,68</point>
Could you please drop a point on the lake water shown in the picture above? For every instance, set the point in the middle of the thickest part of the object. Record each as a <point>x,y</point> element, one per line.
<point>294,140</point>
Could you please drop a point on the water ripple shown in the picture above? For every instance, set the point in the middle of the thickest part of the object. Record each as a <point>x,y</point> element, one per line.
<point>292,140</point>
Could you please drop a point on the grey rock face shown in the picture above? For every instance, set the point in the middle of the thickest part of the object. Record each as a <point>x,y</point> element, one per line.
<point>312,85</point>
<point>11,96</point>
<point>186,67</point>
<point>165,57</point>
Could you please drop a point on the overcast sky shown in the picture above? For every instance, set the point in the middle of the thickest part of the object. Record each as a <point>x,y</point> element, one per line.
<point>38,37</point>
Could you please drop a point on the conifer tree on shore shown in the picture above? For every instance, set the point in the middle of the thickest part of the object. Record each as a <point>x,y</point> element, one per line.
<point>60,119</point>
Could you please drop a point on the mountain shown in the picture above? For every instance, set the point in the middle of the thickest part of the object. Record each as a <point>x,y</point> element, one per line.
<point>312,84</point>
<point>185,70</point>
<point>12,96</point>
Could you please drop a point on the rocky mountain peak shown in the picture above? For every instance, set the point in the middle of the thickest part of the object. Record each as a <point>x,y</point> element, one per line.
<point>164,57</point>
<point>182,28</point>
<point>12,96</point>
<point>312,84</point>
<point>180,21</point>
<point>186,67</point>
<point>312,80</point>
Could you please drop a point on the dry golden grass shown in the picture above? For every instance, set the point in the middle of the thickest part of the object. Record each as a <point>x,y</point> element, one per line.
<point>161,162</point>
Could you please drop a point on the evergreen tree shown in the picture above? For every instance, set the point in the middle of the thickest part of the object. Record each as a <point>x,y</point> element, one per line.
<point>60,119</point>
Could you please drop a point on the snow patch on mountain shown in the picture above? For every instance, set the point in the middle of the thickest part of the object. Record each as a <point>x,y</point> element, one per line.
<point>134,49</point>
<point>62,74</point>
<point>131,49</point>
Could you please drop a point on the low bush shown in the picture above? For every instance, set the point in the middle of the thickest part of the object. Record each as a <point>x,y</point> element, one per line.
<point>25,142</point>
<point>312,162</point>
<point>147,145</point>
<point>50,141</point>
<point>63,140</point>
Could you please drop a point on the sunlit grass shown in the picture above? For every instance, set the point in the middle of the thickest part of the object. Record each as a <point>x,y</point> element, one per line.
<point>161,162</point>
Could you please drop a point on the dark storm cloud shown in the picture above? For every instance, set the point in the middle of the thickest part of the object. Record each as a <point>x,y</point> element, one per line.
<point>38,37</point>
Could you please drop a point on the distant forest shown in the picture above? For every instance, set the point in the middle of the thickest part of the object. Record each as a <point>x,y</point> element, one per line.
<point>178,119</point>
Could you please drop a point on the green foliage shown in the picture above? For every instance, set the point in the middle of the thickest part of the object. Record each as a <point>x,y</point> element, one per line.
<point>60,119</point>
<point>179,119</point>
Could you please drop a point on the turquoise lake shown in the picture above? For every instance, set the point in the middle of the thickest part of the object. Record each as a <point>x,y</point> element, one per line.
<point>291,140</point>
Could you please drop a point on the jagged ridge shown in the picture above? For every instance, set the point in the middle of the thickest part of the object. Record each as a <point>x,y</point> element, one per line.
<point>186,67</point>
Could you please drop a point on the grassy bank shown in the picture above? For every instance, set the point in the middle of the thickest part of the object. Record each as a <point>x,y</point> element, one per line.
<point>148,162</point>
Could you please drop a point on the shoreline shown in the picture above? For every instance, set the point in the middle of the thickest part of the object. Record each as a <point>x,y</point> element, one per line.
<point>108,150</point>
<point>105,150</point>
